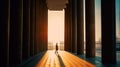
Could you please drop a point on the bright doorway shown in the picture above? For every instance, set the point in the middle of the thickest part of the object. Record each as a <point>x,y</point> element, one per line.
<point>55,29</point>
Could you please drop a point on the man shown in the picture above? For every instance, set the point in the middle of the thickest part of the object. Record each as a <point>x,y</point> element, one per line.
<point>56,51</point>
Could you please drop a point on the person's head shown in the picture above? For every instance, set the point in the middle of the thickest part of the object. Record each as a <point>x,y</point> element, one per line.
<point>56,43</point>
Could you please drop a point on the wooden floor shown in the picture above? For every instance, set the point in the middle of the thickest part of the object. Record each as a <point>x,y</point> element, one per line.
<point>62,59</point>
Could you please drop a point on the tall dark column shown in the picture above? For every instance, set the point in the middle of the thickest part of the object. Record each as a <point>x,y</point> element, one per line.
<point>4,33</point>
<point>74,26</point>
<point>90,28</point>
<point>108,32</point>
<point>37,26</point>
<point>26,29</point>
<point>66,31</point>
<point>32,27</point>
<point>41,25</point>
<point>69,13</point>
<point>45,28</point>
<point>40,14</point>
<point>119,18</point>
<point>16,22</point>
<point>80,27</point>
<point>35,30</point>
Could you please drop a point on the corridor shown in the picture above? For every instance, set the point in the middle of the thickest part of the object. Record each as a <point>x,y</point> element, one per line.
<point>24,33</point>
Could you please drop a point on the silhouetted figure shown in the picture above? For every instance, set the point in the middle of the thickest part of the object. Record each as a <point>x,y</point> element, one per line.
<point>56,48</point>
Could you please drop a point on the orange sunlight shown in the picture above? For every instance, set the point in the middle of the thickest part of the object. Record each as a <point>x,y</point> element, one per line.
<point>55,26</point>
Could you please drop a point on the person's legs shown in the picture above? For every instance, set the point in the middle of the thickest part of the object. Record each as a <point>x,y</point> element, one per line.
<point>56,51</point>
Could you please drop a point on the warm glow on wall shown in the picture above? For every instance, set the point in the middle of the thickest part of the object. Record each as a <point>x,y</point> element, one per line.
<point>55,26</point>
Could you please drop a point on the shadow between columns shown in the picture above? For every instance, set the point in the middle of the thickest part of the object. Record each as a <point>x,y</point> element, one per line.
<point>31,62</point>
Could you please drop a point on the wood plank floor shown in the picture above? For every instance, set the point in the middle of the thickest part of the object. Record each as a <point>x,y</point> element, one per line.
<point>62,59</point>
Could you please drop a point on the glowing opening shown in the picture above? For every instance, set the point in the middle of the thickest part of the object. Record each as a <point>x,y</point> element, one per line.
<point>56,29</point>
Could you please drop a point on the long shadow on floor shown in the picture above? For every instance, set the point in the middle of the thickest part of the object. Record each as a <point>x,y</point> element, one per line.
<point>60,60</point>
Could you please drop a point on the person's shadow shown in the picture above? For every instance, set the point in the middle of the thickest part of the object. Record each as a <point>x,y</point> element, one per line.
<point>60,59</point>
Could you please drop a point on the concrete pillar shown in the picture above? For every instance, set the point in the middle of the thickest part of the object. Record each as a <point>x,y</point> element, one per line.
<point>45,27</point>
<point>65,32</point>
<point>26,30</point>
<point>74,30</point>
<point>108,32</point>
<point>4,32</point>
<point>66,29</point>
<point>35,31</point>
<point>80,27</point>
<point>90,28</point>
<point>41,25</point>
<point>16,24</point>
<point>32,27</point>
<point>38,26</point>
<point>69,12</point>
<point>119,20</point>
<point>67,39</point>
